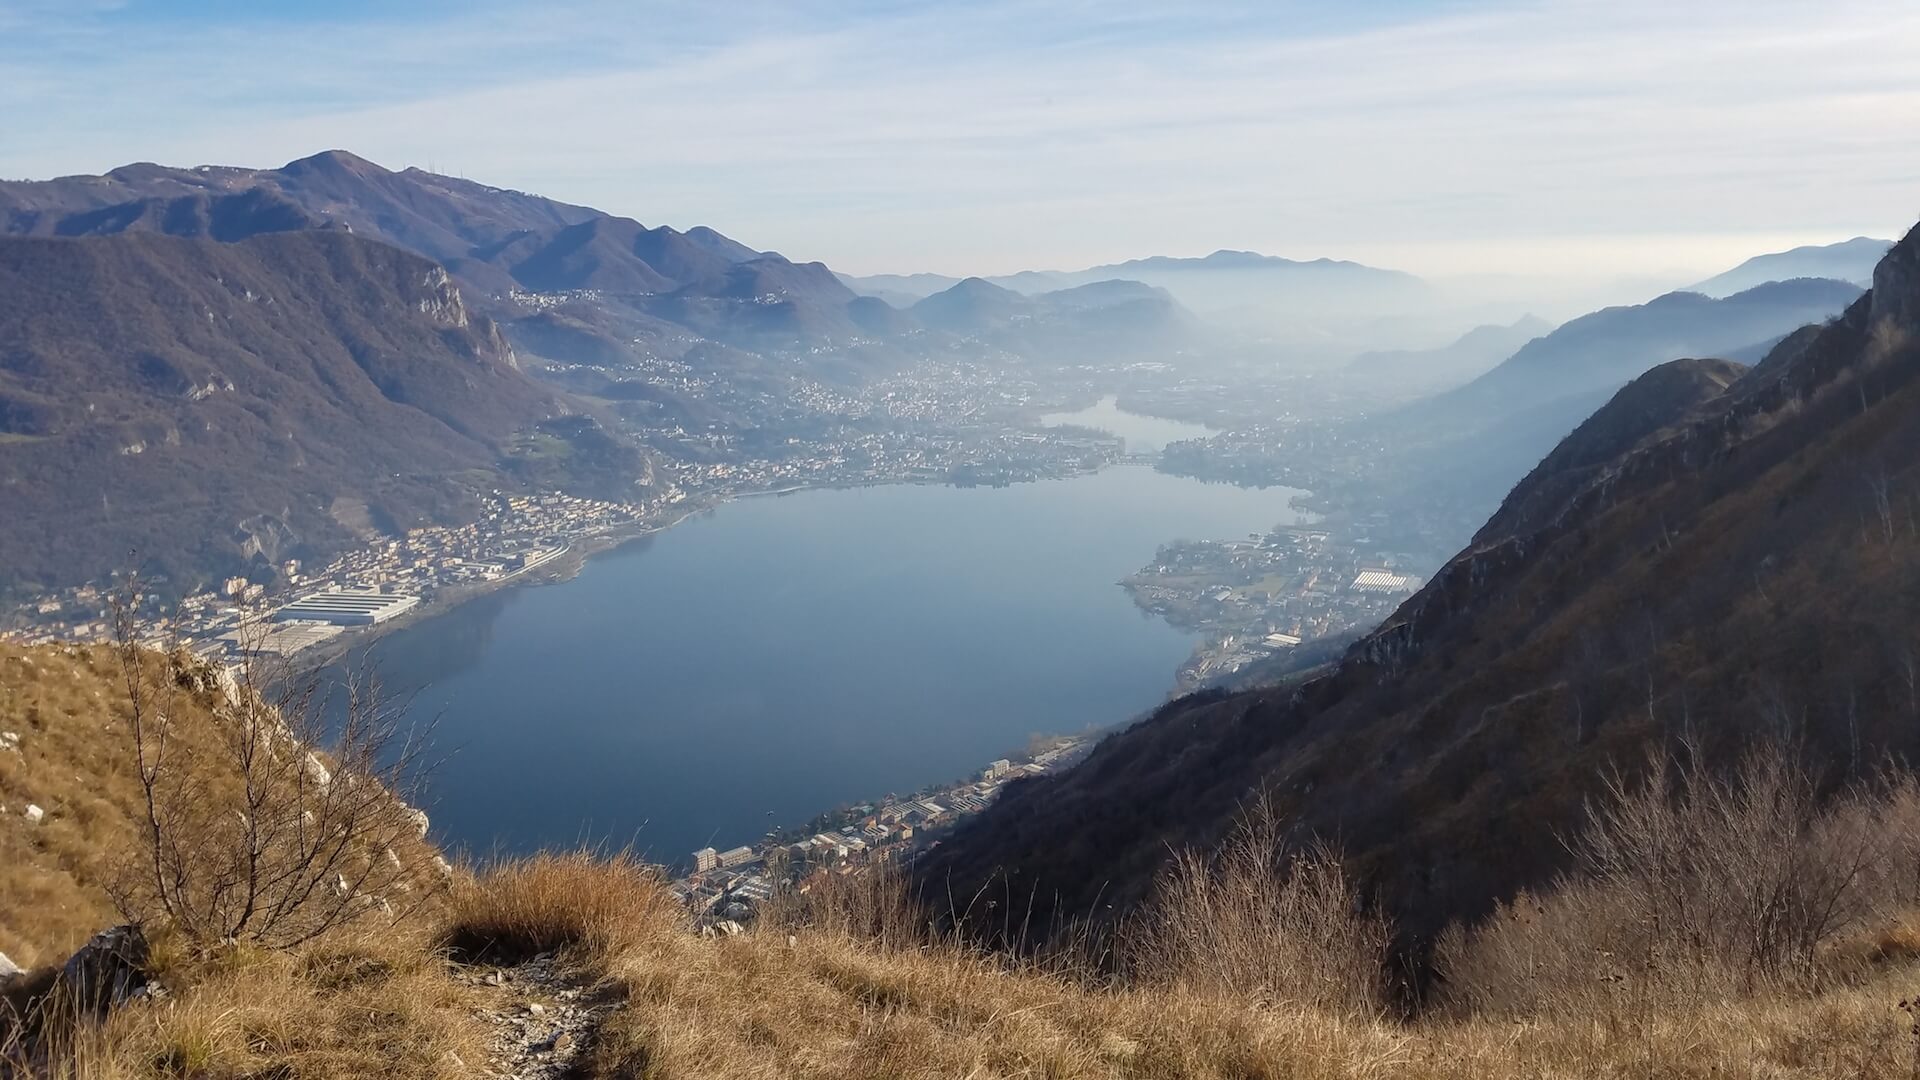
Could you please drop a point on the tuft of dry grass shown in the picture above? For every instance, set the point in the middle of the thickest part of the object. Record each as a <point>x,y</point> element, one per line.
<point>599,906</point>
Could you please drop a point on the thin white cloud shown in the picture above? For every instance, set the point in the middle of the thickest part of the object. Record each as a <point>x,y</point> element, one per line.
<point>1566,136</point>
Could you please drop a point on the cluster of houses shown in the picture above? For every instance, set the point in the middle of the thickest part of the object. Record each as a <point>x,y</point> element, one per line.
<point>727,886</point>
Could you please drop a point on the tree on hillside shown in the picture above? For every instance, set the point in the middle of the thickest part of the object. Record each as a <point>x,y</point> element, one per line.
<point>271,829</point>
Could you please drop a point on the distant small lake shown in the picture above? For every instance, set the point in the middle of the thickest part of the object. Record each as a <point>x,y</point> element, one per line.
<point>1144,434</point>
<point>784,655</point>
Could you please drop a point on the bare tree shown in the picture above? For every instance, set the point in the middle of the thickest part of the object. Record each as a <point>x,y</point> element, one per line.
<point>274,827</point>
<point>1880,492</point>
<point>1584,667</point>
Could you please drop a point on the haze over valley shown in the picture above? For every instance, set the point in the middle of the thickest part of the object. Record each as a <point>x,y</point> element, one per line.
<point>1230,541</point>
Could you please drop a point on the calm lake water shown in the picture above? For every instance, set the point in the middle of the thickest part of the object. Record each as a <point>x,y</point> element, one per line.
<point>1144,434</point>
<point>785,655</point>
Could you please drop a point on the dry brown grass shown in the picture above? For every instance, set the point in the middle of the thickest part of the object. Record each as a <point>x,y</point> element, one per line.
<point>816,995</point>
<point>824,1000</point>
<point>822,1004</point>
<point>70,707</point>
<point>66,708</point>
<point>596,906</point>
<point>356,1003</point>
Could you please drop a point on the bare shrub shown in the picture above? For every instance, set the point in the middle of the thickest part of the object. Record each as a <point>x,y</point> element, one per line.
<point>1693,887</point>
<point>875,905</point>
<point>280,830</point>
<point>1263,920</point>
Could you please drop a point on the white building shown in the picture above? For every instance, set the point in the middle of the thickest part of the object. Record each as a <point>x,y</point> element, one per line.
<point>1383,581</point>
<point>347,607</point>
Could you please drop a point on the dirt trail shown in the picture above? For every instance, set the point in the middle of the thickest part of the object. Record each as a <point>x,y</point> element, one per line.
<point>542,1016</point>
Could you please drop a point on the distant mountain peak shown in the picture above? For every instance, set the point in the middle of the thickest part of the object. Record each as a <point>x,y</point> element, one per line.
<point>980,285</point>
<point>335,161</point>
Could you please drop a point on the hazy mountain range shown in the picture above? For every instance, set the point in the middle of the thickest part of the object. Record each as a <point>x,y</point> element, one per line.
<point>1470,444</point>
<point>1222,279</point>
<point>1712,556</point>
<point>1473,353</point>
<point>613,289</point>
<point>1304,301</point>
<point>1850,261</point>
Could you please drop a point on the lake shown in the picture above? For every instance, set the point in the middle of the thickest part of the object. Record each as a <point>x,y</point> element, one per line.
<point>1143,434</point>
<point>781,656</point>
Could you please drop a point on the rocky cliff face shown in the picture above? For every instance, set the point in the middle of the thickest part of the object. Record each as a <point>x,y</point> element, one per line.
<point>1739,563</point>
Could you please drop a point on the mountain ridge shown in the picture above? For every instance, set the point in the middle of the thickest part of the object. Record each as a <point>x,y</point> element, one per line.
<point>214,399</point>
<point>483,233</point>
<point>923,283</point>
<point>1848,260</point>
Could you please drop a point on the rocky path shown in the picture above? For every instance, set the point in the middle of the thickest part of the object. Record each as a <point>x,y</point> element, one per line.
<point>542,1017</point>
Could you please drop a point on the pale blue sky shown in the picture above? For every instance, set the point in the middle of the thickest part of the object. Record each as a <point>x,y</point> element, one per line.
<point>1558,138</point>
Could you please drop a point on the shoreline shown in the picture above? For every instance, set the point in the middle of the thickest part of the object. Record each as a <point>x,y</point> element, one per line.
<point>562,568</point>
<point>582,550</point>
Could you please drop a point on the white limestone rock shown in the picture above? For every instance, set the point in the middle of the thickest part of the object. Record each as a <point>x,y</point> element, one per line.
<point>317,772</point>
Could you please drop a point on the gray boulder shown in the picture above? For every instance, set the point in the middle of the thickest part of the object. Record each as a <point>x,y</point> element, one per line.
<point>108,971</point>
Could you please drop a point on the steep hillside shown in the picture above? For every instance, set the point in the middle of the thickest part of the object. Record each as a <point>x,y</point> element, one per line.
<point>205,404</point>
<point>1746,568</point>
<point>1850,261</point>
<point>1642,409</point>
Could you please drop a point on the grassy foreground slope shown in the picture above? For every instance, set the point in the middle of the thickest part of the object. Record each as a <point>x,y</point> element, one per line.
<point>844,980</point>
